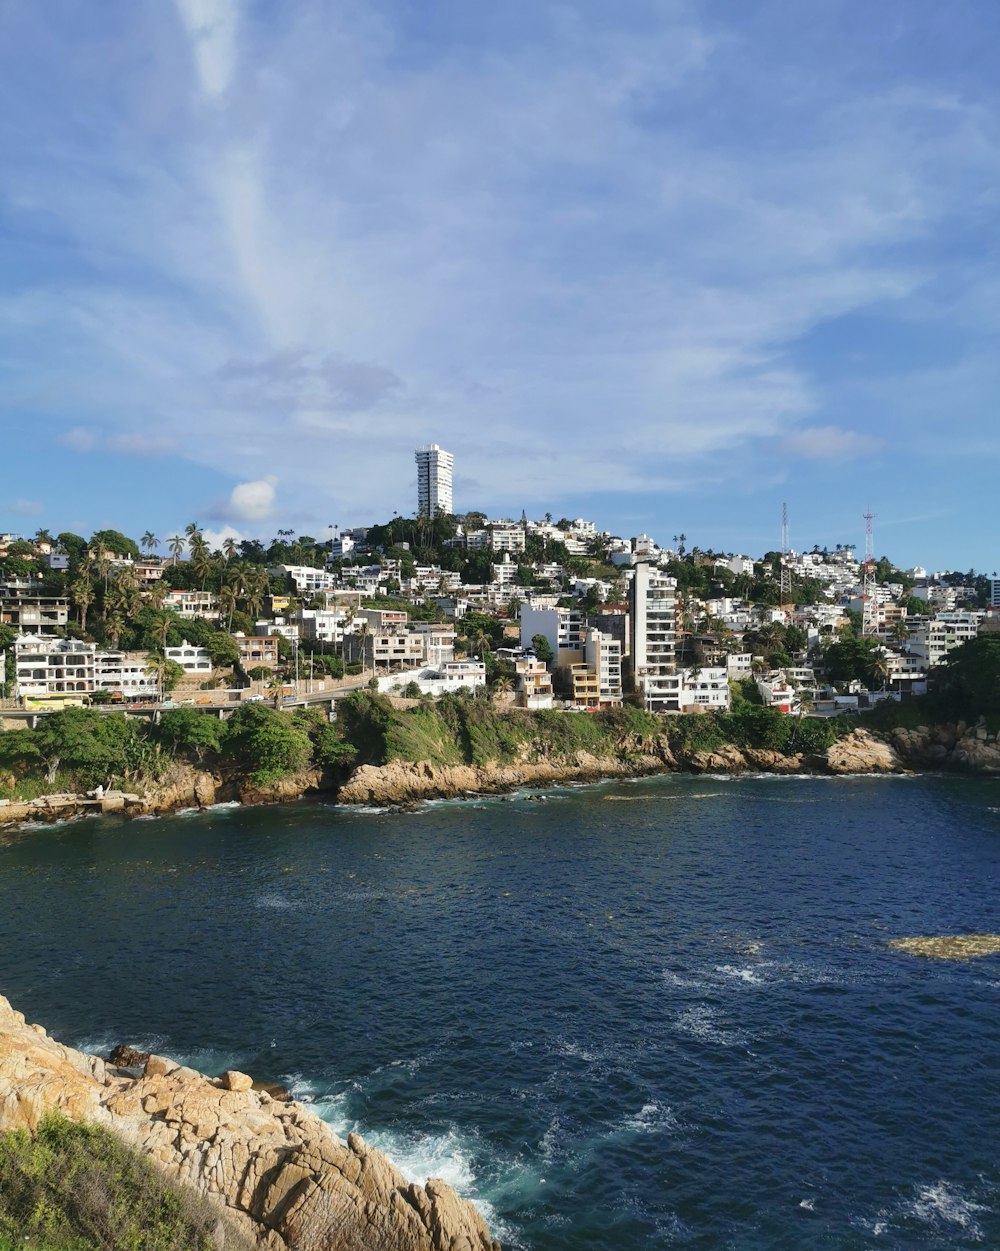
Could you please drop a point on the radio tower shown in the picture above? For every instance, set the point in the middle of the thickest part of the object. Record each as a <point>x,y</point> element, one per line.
<point>786,571</point>
<point>869,610</point>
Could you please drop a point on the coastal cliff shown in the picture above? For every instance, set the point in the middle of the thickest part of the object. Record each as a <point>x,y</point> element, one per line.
<point>276,1172</point>
<point>404,781</point>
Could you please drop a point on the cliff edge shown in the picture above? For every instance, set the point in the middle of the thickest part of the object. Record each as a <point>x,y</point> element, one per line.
<point>277,1171</point>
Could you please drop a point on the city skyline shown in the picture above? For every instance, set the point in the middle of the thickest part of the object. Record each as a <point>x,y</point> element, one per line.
<point>666,267</point>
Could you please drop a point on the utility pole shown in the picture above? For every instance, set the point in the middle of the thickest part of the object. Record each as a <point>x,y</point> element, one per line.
<point>869,603</point>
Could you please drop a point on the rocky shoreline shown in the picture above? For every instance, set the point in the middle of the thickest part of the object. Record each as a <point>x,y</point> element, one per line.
<point>277,1173</point>
<point>958,747</point>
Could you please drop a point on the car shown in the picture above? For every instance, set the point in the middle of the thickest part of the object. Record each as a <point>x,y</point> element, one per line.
<point>254,699</point>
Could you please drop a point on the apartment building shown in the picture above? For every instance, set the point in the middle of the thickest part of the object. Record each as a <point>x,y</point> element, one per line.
<point>35,614</point>
<point>506,536</point>
<point>306,580</point>
<point>435,468</point>
<point>438,642</point>
<point>653,611</point>
<point>52,666</point>
<point>603,658</point>
<point>562,627</point>
<point>931,641</point>
<point>384,647</point>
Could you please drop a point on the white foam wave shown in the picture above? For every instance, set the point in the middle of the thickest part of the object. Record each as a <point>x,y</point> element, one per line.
<point>277,902</point>
<point>652,1118</point>
<point>703,1022</point>
<point>942,1202</point>
<point>752,977</point>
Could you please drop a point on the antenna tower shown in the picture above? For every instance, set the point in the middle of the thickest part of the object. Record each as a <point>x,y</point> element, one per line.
<point>786,570</point>
<point>869,601</point>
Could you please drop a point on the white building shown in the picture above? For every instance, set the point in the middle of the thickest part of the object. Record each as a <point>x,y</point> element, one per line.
<point>307,580</point>
<point>441,680</point>
<point>51,666</point>
<point>202,605</point>
<point>506,536</point>
<point>653,605</point>
<point>603,657</point>
<point>193,660</point>
<point>562,627</point>
<point>434,474</point>
<point>534,682</point>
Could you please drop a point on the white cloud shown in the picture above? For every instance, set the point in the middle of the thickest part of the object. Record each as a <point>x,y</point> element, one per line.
<point>830,443</point>
<point>575,258</point>
<point>211,27</point>
<point>25,508</point>
<point>251,501</point>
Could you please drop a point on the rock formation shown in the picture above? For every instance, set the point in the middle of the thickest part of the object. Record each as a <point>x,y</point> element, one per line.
<point>277,1171</point>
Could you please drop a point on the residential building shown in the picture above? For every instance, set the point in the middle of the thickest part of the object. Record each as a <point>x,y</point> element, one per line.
<point>392,649</point>
<point>506,536</point>
<point>52,666</point>
<point>653,611</point>
<point>34,614</point>
<point>434,474</point>
<point>438,640</point>
<point>562,627</point>
<point>603,657</point>
<point>127,673</point>
<point>443,680</point>
<point>534,682</point>
<point>203,605</point>
<point>306,580</point>
<point>257,650</point>
<point>193,660</point>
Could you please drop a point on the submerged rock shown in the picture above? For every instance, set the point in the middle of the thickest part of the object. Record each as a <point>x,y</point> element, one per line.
<point>279,1173</point>
<point>950,946</point>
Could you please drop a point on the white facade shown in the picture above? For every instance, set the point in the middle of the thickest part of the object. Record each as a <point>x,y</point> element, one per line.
<point>51,666</point>
<point>654,637</point>
<point>434,474</point>
<point>603,656</point>
<point>202,605</point>
<point>562,627</point>
<point>307,580</point>
<point>443,680</point>
<point>506,537</point>
<point>193,660</point>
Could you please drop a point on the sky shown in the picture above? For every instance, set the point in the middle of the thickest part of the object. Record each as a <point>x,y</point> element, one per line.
<point>664,264</point>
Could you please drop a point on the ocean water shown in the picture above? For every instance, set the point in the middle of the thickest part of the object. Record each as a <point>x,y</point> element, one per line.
<point>630,1016</point>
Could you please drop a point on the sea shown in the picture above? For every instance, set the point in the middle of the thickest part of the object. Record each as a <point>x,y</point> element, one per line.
<point>632,1015</point>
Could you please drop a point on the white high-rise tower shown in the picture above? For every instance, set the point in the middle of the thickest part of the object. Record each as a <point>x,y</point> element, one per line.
<point>434,467</point>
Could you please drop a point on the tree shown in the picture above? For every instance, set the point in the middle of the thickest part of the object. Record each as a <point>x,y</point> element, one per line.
<point>222,650</point>
<point>542,648</point>
<point>269,740</point>
<point>177,546</point>
<point>71,736</point>
<point>149,541</point>
<point>190,730</point>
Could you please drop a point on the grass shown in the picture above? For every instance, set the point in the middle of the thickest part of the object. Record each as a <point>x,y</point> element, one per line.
<point>77,1188</point>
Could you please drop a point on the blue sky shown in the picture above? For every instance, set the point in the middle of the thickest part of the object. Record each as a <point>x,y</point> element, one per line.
<point>663,264</point>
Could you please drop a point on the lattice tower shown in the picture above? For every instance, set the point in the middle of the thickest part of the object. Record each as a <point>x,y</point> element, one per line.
<point>869,607</point>
<point>786,563</point>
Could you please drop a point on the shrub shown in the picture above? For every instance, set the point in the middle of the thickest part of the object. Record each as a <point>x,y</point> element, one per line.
<point>77,1188</point>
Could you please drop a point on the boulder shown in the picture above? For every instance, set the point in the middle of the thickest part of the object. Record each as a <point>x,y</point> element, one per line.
<point>126,1057</point>
<point>234,1080</point>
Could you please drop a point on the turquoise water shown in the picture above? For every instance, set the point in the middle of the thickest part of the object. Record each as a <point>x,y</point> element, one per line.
<point>635,1015</point>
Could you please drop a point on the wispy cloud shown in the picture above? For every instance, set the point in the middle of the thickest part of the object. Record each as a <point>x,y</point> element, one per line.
<point>830,443</point>
<point>583,248</point>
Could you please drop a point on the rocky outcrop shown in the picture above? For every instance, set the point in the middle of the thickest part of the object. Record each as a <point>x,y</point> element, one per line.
<point>403,781</point>
<point>862,752</point>
<point>275,1170</point>
<point>972,749</point>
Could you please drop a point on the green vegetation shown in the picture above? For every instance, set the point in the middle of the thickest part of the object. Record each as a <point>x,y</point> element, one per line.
<point>77,1188</point>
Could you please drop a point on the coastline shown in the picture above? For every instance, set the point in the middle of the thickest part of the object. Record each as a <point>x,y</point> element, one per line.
<point>399,782</point>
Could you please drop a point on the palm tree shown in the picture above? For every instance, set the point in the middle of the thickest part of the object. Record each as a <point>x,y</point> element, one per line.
<point>229,548</point>
<point>880,668</point>
<point>149,541</point>
<point>228,596</point>
<point>177,546</point>
<point>82,594</point>
<point>501,686</point>
<point>43,537</point>
<point>156,667</point>
<point>164,619</point>
<point>113,628</point>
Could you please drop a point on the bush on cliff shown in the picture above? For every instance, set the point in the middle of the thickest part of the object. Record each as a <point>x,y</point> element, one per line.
<point>78,1188</point>
<point>267,743</point>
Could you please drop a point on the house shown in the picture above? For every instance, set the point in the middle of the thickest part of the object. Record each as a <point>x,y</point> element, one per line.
<point>534,682</point>
<point>201,605</point>
<point>193,660</point>
<point>257,650</point>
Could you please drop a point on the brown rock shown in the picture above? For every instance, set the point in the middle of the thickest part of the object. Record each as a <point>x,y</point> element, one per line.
<point>126,1057</point>
<point>233,1080</point>
<point>280,1175</point>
